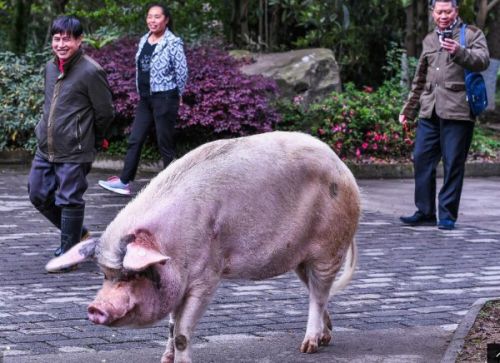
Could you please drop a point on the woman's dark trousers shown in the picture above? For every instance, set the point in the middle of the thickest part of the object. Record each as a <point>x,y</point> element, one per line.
<point>159,109</point>
<point>450,141</point>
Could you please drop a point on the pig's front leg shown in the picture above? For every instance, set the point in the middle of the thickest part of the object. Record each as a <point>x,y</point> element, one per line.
<point>187,316</point>
<point>168,356</point>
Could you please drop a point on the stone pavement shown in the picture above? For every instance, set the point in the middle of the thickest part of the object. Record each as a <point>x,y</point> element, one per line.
<point>412,287</point>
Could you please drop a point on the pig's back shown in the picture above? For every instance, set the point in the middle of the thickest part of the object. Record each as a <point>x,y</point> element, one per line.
<point>257,205</point>
<point>248,161</point>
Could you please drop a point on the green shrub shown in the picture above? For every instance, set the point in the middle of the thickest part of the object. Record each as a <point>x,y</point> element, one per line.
<point>357,124</point>
<point>21,99</point>
<point>485,143</point>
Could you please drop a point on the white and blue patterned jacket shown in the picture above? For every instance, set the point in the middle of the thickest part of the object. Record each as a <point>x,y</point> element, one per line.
<point>168,63</point>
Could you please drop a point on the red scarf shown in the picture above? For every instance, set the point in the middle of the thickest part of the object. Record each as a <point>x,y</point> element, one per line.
<point>61,65</point>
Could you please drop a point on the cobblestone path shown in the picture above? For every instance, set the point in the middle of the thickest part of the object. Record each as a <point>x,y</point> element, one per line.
<point>406,277</point>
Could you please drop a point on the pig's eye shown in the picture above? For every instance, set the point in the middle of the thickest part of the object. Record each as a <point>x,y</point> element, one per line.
<point>128,276</point>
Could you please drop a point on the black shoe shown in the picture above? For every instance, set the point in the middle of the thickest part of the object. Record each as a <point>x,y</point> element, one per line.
<point>419,219</point>
<point>71,228</point>
<point>85,235</point>
<point>447,224</point>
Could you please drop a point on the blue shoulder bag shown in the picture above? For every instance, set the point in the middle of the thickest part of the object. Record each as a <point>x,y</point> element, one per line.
<point>474,84</point>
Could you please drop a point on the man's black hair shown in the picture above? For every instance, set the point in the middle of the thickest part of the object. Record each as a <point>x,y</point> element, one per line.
<point>67,25</point>
<point>453,2</point>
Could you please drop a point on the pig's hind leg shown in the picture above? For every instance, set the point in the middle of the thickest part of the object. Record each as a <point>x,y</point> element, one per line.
<point>318,278</point>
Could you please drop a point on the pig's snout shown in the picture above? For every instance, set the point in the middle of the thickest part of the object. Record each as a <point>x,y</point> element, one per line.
<point>98,315</point>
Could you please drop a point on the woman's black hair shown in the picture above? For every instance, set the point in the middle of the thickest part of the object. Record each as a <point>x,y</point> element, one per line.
<point>67,25</point>
<point>165,12</point>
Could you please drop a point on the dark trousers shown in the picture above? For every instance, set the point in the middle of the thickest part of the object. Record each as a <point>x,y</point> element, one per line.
<point>450,141</point>
<point>159,109</point>
<point>54,186</point>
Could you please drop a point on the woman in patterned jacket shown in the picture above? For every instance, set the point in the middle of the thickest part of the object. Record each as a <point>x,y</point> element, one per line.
<point>161,73</point>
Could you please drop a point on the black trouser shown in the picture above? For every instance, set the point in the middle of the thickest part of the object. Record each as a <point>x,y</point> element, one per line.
<point>159,109</point>
<point>56,190</point>
<point>450,140</point>
<point>57,185</point>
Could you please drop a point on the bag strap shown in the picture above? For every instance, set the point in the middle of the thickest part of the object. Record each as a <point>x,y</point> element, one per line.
<point>463,41</point>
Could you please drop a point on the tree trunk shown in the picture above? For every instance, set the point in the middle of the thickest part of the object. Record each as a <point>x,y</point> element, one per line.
<point>235,22</point>
<point>484,8</point>
<point>493,36</point>
<point>410,34</point>
<point>275,27</point>
<point>60,6</point>
<point>423,24</point>
<point>417,23</point>
<point>244,30</point>
<point>19,34</point>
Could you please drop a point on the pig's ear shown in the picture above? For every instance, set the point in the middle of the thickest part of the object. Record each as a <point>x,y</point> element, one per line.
<point>139,257</point>
<point>81,252</point>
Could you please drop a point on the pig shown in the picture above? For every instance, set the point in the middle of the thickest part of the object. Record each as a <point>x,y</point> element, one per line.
<point>251,208</point>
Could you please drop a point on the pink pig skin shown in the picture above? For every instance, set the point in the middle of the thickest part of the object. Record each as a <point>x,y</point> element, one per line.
<point>247,208</point>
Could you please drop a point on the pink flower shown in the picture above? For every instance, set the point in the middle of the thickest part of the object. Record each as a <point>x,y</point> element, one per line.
<point>358,153</point>
<point>297,100</point>
<point>365,145</point>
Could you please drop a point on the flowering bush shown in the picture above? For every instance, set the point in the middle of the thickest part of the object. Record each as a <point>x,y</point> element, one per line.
<point>219,101</point>
<point>218,96</point>
<point>358,124</point>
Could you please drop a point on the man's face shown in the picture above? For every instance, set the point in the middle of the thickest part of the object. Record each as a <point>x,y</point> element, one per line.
<point>444,14</point>
<point>65,45</point>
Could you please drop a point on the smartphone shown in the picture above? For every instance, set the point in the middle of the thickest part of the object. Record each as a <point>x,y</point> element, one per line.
<point>447,34</point>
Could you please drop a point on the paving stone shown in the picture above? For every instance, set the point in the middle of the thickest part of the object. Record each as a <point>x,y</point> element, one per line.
<point>80,342</point>
<point>406,277</point>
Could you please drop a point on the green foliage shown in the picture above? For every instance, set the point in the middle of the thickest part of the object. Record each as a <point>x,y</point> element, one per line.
<point>485,143</point>
<point>21,99</point>
<point>359,41</point>
<point>102,37</point>
<point>194,20</point>
<point>125,16</point>
<point>357,124</point>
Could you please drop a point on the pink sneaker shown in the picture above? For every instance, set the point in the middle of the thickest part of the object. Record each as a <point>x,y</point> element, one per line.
<point>114,184</point>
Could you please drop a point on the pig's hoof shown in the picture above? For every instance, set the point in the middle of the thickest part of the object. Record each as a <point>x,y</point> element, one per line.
<point>309,346</point>
<point>325,339</point>
<point>167,358</point>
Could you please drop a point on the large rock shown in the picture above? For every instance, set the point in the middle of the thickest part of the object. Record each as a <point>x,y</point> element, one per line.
<point>309,73</point>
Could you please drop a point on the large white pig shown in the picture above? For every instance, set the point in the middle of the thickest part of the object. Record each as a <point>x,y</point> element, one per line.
<point>247,208</point>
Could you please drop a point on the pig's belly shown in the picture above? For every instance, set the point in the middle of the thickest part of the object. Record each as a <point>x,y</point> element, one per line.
<point>253,268</point>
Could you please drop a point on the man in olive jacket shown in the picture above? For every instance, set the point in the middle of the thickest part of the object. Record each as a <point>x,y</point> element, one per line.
<point>445,125</point>
<point>77,111</point>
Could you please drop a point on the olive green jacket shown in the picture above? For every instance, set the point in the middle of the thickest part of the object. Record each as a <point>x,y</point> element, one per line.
<point>78,109</point>
<point>439,79</point>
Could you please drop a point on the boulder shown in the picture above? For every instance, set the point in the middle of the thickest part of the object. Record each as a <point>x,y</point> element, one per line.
<point>308,73</point>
